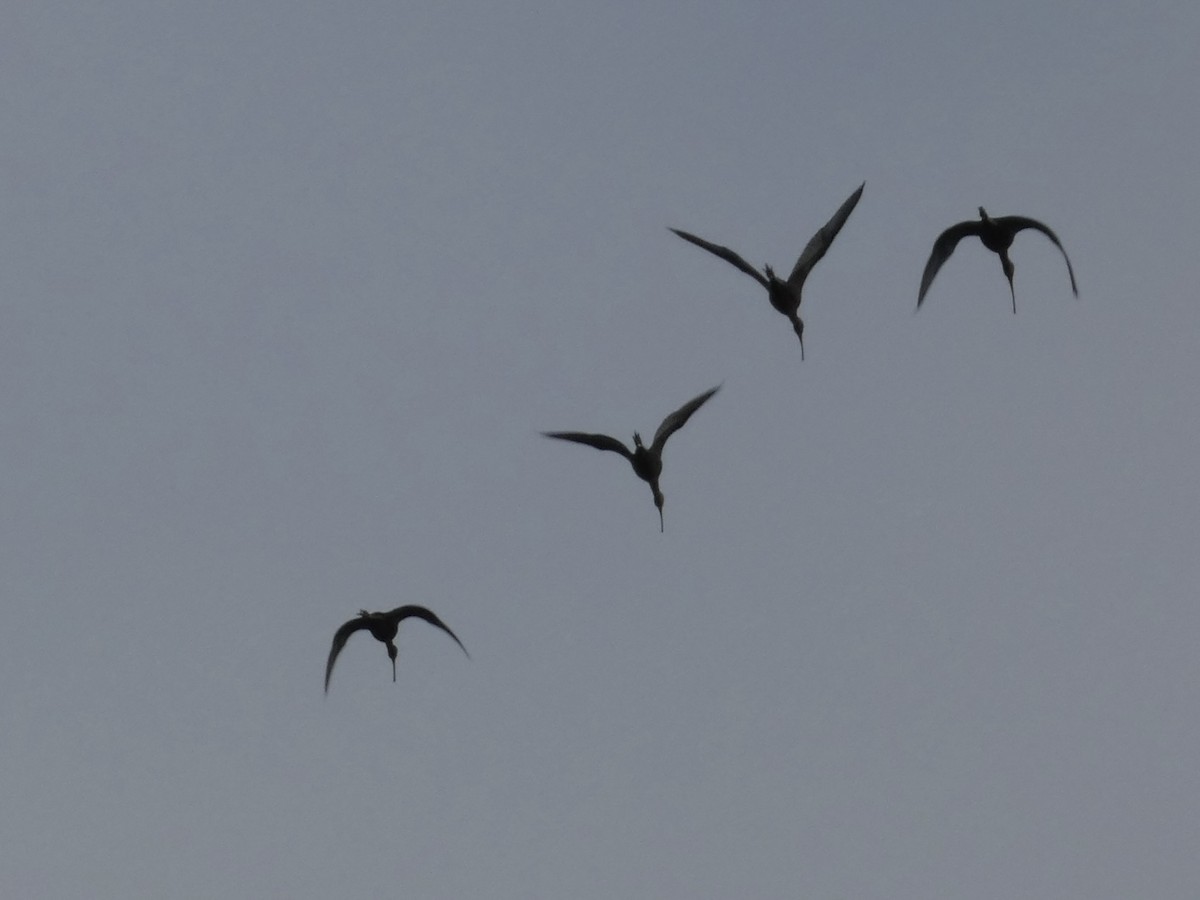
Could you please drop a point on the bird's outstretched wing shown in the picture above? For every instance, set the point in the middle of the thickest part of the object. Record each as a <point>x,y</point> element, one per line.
<point>942,248</point>
<point>820,242</point>
<point>401,613</point>
<point>1017,223</point>
<point>599,441</point>
<point>339,641</point>
<point>726,254</point>
<point>677,419</point>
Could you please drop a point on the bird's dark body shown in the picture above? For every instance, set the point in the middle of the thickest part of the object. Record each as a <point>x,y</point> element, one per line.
<point>994,237</point>
<point>382,629</point>
<point>645,464</point>
<point>783,298</point>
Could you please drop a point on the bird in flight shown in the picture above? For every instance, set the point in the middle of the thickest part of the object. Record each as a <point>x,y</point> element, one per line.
<point>997,235</point>
<point>785,296</point>
<point>646,461</point>
<point>383,627</point>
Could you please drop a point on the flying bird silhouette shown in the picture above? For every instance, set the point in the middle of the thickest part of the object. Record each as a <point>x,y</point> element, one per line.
<point>383,627</point>
<point>785,296</point>
<point>997,235</point>
<point>646,461</point>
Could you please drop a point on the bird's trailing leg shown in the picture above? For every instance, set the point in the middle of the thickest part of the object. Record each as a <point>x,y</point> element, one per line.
<point>391,648</point>
<point>1009,269</point>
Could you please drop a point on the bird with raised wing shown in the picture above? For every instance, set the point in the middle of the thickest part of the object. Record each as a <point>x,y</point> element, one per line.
<point>646,461</point>
<point>997,235</point>
<point>785,296</point>
<point>383,627</point>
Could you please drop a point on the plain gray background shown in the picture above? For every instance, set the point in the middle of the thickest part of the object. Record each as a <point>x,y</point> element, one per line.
<point>288,290</point>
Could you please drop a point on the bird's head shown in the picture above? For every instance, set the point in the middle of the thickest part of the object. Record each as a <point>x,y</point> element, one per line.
<point>798,327</point>
<point>392,653</point>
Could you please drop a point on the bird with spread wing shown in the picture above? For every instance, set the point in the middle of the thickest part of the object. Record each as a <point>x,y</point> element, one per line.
<point>383,627</point>
<point>784,295</point>
<point>997,235</point>
<point>646,461</point>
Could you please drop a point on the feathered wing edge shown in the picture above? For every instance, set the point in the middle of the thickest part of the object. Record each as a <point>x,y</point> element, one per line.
<point>820,242</point>
<point>724,253</point>
<point>339,641</point>
<point>942,248</point>
<point>677,419</point>
<point>599,441</point>
<point>420,612</point>
<point>1019,222</point>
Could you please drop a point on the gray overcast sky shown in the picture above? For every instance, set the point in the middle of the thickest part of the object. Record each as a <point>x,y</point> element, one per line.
<point>288,290</point>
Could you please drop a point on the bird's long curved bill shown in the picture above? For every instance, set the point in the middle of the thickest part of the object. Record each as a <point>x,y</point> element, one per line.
<point>393,670</point>
<point>801,349</point>
<point>661,527</point>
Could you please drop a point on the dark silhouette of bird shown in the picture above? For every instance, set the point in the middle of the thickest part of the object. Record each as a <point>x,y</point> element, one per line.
<point>383,627</point>
<point>646,461</point>
<point>785,296</point>
<point>997,235</point>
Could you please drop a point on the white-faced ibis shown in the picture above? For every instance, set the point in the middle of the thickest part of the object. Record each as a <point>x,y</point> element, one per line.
<point>785,296</point>
<point>383,627</point>
<point>646,461</point>
<point>997,235</point>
